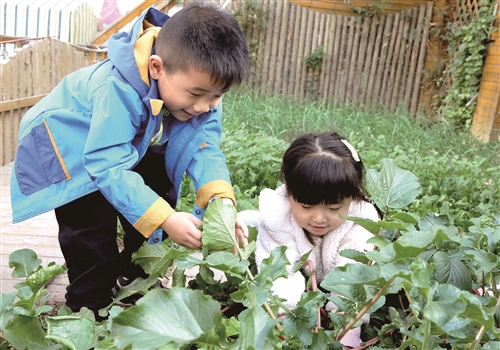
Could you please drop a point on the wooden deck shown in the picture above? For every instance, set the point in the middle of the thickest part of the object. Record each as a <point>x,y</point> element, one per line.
<point>38,234</point>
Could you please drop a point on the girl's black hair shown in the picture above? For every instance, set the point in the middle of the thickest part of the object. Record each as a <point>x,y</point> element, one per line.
<point>321,169</point>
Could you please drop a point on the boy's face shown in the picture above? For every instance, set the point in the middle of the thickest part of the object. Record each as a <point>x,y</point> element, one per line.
<point>184,94</point>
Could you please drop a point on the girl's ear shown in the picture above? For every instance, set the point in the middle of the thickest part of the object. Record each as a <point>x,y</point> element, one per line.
<point>156,66</point>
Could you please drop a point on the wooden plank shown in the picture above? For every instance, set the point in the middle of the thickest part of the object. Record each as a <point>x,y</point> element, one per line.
<point>20,103</point>
<point>271,6</point>
<point>321,71</point>
<point>288,39</point>
<point>124,20</point>
<point>307,51</point>
<point>325,78</point>
<point>300,53</point>
<point>273,64</point>
<point>421,60</point>
<point>371,38</point>
<point>375,64</point>
<point>363,58</point>
<point>347,59</point>
<point>400,63</point>
<point>389,61</point>
<point>345,7</point>
<point>295,48</point>
<point>337,52</point>
<point>414,55</point>
<point>355,35</point>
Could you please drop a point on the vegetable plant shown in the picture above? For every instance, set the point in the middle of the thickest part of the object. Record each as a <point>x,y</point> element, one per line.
<point>431,283</point>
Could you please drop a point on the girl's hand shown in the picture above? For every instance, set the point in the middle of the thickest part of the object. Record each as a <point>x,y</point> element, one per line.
<point>241,231</point>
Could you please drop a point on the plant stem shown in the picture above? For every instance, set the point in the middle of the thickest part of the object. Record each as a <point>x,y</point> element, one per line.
<point>365,308</point>
<point>427,334</point>
<point>479,335</point>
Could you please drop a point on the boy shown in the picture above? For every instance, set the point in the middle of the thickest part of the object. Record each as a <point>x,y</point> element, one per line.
<point>114,140</point>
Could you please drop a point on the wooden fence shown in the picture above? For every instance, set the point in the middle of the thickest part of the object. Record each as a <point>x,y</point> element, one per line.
<point>308,54</point>
<point>296,52</point>
<point>26,78</point>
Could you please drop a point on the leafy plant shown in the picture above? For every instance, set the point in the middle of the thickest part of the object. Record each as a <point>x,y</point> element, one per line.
<point>467,45</point>
<point>444,274</point>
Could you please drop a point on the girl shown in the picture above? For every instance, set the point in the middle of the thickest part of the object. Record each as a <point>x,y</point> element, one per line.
<point>323,177</point>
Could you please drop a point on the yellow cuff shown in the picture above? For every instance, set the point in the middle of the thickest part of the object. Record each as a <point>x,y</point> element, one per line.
<point>153,217</point>
<point>218,188</point>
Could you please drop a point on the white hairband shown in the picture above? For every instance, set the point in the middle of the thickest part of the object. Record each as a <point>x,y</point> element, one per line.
<point>354,153</point>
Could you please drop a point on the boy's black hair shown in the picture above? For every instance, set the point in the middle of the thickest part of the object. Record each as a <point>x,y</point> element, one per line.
<point>321,169</point>
<point>205,37</point>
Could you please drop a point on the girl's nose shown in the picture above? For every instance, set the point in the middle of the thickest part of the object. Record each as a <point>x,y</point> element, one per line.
<point>319,217</point>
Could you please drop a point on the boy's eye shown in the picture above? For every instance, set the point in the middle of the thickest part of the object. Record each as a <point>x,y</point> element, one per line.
<point>193,94</point>
<point>334,209</point>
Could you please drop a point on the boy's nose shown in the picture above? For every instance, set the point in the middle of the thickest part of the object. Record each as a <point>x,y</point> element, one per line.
<point>200,107</point>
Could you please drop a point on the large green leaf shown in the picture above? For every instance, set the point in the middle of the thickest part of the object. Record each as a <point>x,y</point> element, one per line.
<point>256,330</point>
<point>155,259</point>
<point>24,262</point>
<point>448,302</point>
<point>274,266</point>
<point>41,276</point>
<point>25,332</point>
<point>74,332</point>
<point>392,187</point>
<point>219,226</point>
<point>6,312</point>
<point>452,270</point>
<point>161,317</point>
<point>353,274</point>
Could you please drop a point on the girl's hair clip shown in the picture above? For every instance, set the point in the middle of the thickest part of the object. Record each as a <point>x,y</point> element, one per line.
<point>354,153</point>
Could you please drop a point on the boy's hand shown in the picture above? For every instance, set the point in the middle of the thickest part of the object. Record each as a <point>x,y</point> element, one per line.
<point>182,228</point>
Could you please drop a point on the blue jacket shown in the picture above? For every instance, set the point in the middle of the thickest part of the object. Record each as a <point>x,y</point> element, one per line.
<point>96,125</point>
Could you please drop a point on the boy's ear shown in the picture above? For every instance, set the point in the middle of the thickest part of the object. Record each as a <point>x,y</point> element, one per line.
<point>155,66</point>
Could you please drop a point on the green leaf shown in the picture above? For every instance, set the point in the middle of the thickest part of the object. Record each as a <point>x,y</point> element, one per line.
<point>161,317</point>
<point>24,262</point>
<point>448,302</point>
<point>355,255</point>
<point>353,274</point>
<point>25,332</point>
<point>74,332</point>
<point>302,261</point>
<point>392,187</point>
<point>452,270</point>
<point>274,266</point>
<point>6,312</point>
<point>487,262</point>
<point>41,276</point>
<point>256,330</point>
<point>409,218</point>
<point>367,224</point>
<point>155,259</point>
<point>219,226</point>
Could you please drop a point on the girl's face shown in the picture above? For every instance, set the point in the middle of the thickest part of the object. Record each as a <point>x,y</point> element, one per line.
<point>319,219</point>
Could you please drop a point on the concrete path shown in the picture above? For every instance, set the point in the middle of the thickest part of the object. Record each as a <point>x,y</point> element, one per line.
<point>38,234</point>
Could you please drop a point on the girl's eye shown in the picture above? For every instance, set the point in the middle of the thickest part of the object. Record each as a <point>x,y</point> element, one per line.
<point>334,209</point>
<point>306,206</point>
<point>193,94</point>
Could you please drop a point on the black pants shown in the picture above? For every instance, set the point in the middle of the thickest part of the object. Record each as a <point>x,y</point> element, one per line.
<point>87,236</point>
